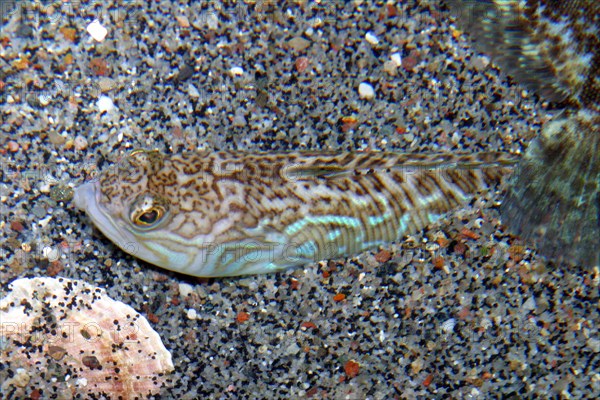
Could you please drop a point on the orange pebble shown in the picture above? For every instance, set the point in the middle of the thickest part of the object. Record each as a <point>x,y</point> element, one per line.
<point>339,297</point>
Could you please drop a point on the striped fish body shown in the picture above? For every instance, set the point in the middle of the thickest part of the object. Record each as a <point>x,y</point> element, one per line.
<point>231,213</point>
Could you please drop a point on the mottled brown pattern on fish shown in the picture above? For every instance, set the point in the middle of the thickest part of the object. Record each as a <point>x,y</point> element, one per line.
<point>224,184</point>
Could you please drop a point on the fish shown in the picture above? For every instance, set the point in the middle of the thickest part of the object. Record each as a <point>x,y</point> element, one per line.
<point>553,49</point>
<point>230,213</point>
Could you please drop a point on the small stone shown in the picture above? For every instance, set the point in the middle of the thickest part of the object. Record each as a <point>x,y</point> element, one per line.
<point>106,84</point>
<point>529,304</point>
<point>12,146</point>
<point>39,211</point>
<point>193,91</point>
<point>371,38</point>
<point>91,362</point>
<point>56,139</point>
<point>383,256</point>
<point>56,352</point>
<point>390,67</point>
<point>50,253</point>
<point>192,314</point>
<point>99,66</point>
<point>212,22</point>
<point>69,33</point>
<point>236,71</point>
<point>185,289</point>
<point>239,120</point>
<point>301,64</point>
<point>81,382</point>
<point>396,58</point>
<point>16,226</point>
<point>292,349</point>
<point>366,91</point>
<point>351,368</point>
<point>183,21</point>
<point>44,100</point>
<point>448,326</point>
<point>298,43</point>
<point>21,378</point>
<point>97,31</point>
<point>593,344</point>
<point>242,317</point>
<point>105,104</point>
<point>410,62</point>
<point>61,193</point>
<point>80,143</point>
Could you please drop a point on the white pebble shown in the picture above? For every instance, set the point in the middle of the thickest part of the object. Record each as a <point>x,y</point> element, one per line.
<point>366,91</point>
<point>44,99</point>
<point>97,31</point>
<point>212,21</point>
<point>371,38</point>
<point>105,103</point>
<point>50,253</point>
<point>593,344</point>
<point>396,58</point>
<point>486,323</point>
<point>192,314</point>
<point>236,71</point>
<point>193,91</point>
<point>185,289</point>
<point>81,382</point>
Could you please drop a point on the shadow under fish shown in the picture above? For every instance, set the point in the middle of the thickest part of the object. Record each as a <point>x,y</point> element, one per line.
<point>552,48</point>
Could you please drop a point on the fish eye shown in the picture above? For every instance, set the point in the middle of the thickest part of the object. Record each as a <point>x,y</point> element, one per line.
<point>148,217</point>
<point>148,210</point>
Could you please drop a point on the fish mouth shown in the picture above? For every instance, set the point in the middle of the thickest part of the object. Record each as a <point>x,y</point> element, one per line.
<point>85,195</point>
<point>87,199</point>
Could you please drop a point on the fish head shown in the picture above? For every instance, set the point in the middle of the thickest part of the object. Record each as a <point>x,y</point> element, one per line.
<point>128,208</point>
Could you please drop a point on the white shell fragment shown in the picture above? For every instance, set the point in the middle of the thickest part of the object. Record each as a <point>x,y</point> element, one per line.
<point>97,31</point>
<point>71,333</point>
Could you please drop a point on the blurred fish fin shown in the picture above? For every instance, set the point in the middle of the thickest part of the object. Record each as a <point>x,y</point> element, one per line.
<point>546,46</point>
<point>554,196</point>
